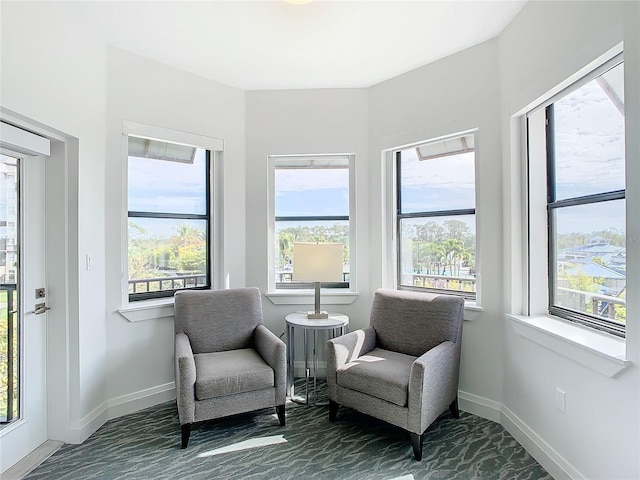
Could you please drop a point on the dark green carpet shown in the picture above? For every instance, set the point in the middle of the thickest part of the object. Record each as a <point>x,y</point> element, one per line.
<point>146,445</point>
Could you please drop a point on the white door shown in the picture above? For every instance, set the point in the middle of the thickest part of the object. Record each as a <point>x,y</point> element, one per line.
<point>24,421</point>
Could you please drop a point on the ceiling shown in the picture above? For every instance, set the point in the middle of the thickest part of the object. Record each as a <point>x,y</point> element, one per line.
<point>257,45</point>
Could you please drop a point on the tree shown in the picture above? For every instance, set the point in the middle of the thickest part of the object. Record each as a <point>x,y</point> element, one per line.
<point>454,250</point>
<point>285,244</point>
<point>581,282</point>
<point>430,232</point>
<point>191,258</point>
<point>188,235</point>
<point>437,256</point>
<point>456,229</point>
<point>311,233</point>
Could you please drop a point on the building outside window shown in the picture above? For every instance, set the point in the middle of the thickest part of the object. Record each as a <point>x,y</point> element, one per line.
<point>10,328</point>
<point>585,198</point>
<point>436,227</point>
<point>311,198</point>
<point>8,219</point>
<point>169,213</point>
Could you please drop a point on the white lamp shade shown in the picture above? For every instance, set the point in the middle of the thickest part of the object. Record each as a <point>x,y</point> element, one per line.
<point>317,262</point>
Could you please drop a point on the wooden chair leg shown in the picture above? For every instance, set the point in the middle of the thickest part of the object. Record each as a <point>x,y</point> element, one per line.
<point>333,410</point>
<point>280,413</point>
<point>453,408</point>
<point>186,433</point>
<point>416,442</point>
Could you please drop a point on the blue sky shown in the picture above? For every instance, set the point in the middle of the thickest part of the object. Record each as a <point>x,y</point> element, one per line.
<point>590,156</point>
<point>589,146</point>
<point>312,192</point>
<point>163,186</point>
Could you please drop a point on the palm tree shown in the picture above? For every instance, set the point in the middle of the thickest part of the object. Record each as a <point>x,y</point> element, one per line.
<point>285,244</point>
<point>454,249</point>
<point>436,255</point>
<point>188,235</point>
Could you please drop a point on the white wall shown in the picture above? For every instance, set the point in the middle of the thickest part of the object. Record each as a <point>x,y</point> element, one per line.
<point>55,73</point>
<point>140,370</point>
<point>597,437</point>
<point>457,93</point>
<point>51,77</point>
<point>60,76</point>
<point>304,122</point>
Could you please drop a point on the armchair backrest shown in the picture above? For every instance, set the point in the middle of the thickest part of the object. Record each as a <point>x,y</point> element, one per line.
<point>218,320</point>
<point>415,322</point>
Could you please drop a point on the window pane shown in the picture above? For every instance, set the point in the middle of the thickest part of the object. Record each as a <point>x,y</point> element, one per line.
<point>163,186</point>
<point>324,232</point>
<point>166,254</point>
<point>311,191</point>
<point>9,227</point>
<point>590,259</point>
<point>589,138</point>
<point>438,252</point>
<point>10,344</point>
<point>436,184</point>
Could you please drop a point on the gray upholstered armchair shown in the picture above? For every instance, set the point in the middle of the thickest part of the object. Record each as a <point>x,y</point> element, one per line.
<point>404,367</point>
<point>226,360</point>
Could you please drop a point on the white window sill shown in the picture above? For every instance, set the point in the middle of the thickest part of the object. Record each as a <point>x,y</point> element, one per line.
<point>603,353</point>
<point>471,310</point>
<point>306,297</point>
<point>148,310</point>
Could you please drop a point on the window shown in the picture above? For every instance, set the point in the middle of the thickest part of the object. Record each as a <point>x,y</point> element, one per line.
<point>436,216</point>
<point>169,213</point>
<point>581,133</point>
<point>311,203</point>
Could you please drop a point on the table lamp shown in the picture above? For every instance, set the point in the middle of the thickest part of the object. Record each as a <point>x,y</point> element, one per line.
<point>317,262</point>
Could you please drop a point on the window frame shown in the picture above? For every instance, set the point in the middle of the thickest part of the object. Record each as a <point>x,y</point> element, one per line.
<point>553,204</point>
<point>275,289</point>
<point>399,216</point>
<point>136,297</point>
<point>214,148</point>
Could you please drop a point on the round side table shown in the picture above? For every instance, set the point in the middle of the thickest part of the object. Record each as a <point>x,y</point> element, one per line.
<point>337,324</point>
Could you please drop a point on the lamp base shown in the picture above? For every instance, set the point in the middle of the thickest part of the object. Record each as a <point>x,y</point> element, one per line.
<point>317,315</point>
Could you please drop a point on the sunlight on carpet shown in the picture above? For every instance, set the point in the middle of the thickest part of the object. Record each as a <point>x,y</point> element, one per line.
<point>245,445</point>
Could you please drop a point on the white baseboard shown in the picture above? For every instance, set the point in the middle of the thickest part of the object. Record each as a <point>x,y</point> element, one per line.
<point>554,463</point>
<point>116,407</point>
<point>483,407</point>
<point>480,406</point>
<point>25,466</point>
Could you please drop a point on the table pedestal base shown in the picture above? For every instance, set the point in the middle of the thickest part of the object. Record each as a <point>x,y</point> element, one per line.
<point>335,325</point>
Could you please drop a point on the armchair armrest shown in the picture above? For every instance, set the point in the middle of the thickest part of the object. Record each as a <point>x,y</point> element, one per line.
<point>185,367</point>
<point>274,352</point>
<point>352,345</point>
<point>344,349</point>
<point>433,385</point>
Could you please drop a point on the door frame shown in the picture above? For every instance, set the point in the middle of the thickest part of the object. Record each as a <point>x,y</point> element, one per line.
<point>61,257</point>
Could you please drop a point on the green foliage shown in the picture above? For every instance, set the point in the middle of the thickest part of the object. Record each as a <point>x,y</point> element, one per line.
<point>614,236</point>
<point>321,234</point>
<point>184,252</point>
<point>4,355</point>
<point>192,258</point>
<point>438,249</point>
<point>582,282</point>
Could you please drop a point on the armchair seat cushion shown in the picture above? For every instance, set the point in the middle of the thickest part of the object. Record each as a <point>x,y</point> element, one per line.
<point>380,373</point>
<point>231,372</point>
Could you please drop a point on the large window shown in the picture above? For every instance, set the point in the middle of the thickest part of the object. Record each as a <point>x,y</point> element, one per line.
<point>585,199</point>
<point>436,216</point>
<point>311,203</point>
<point>168,218</point>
